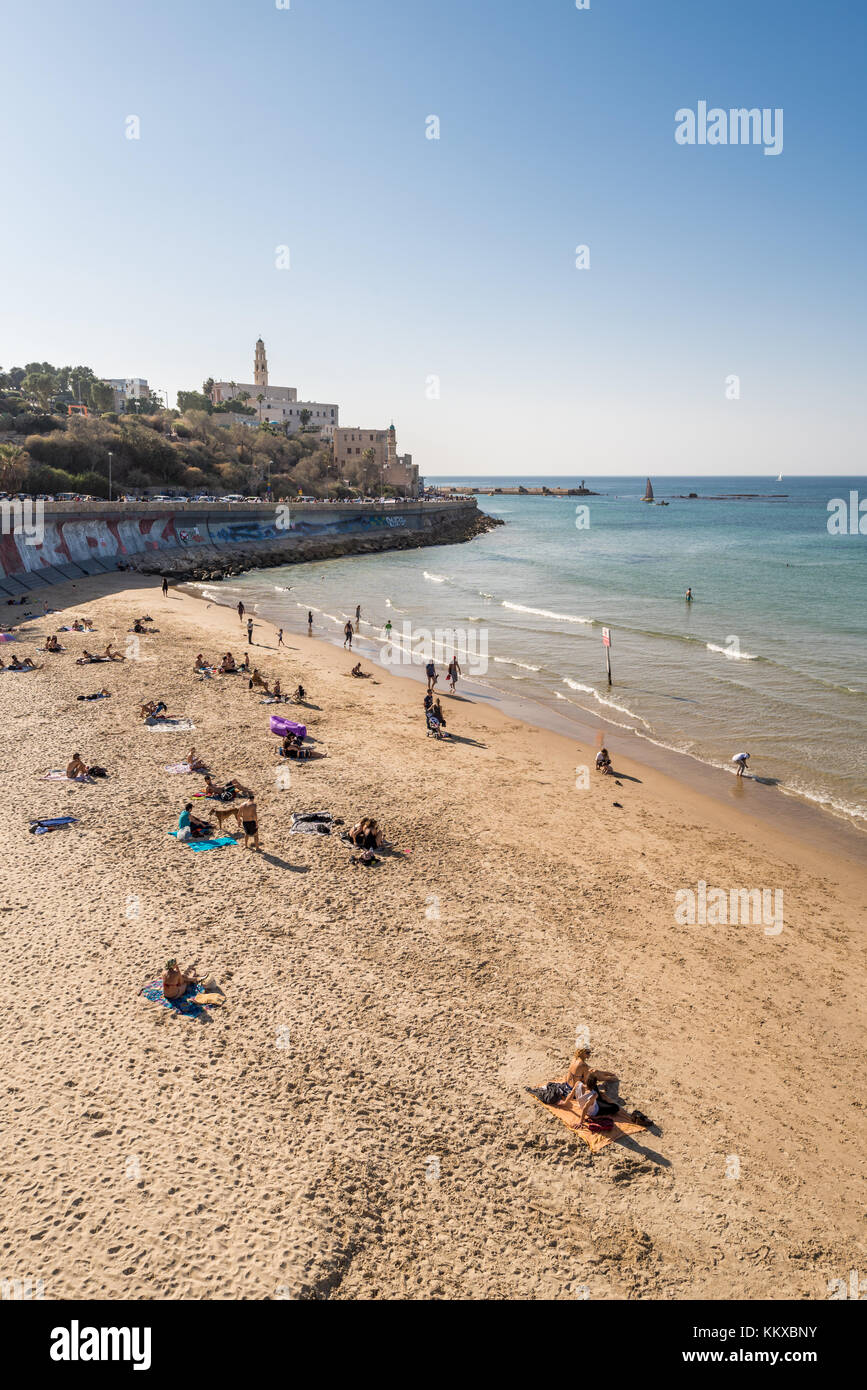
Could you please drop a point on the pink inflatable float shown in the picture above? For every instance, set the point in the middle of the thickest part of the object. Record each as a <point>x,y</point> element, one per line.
<point>283,726</point>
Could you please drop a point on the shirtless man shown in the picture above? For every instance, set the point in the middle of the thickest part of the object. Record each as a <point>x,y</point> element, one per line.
<point>76,767</point>
<point>250,821</point>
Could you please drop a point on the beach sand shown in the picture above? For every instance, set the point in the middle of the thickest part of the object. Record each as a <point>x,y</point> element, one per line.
<point>353,1123</point>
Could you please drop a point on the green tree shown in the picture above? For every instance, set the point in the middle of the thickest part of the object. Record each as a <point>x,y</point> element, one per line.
<point>14,462</point>
<point>194,400</point>
<point>101,396</point>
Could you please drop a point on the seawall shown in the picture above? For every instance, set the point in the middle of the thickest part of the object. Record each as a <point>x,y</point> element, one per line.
<point>194,541</point>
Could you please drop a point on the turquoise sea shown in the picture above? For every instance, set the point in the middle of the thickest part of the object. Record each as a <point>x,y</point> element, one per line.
<point>770,657</point>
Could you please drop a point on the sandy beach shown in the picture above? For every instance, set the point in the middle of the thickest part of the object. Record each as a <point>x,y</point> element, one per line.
<point>353,1122</point>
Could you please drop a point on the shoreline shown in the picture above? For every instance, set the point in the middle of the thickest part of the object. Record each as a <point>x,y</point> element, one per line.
<point>785,811</point>
<point>354,1122</point>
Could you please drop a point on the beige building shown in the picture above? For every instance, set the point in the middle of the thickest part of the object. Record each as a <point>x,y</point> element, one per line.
<point>352,442</point>
<point>279,404</point>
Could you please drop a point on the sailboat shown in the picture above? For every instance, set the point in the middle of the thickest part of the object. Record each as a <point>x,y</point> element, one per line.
<point>648,492</point>
<point>779,477</point>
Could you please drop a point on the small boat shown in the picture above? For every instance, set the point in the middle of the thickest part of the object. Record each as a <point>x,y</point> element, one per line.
<point>779,477</point>
<point>661,504</point>
<point>648,492</point>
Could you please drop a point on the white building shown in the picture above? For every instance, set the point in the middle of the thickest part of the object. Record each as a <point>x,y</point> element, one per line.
<point>279,405</point>
<point>131,388</point>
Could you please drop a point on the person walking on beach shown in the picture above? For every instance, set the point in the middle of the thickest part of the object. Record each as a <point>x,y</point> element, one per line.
<point>453,672</point>
<point>280,642</point>
<point>347,635</point>
<point>358,618</point>
<point>309,623</point>
<point>741,759</point>
<point>431,673</point>
<point>241,610</point>
<point>165,587</point>
<point>387,630</point>
<point>249,632</point>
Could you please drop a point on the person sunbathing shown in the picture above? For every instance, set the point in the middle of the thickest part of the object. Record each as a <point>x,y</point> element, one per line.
<point>52,645</point>
<point>100,695</point>
<point>152,709</point>
<point>196,763</point>
<point>176,982</point>
<point>277,692</point>
<point>201,663</point>
<point>25,665</point>
<point>76,768</point>
<point>112,656</point>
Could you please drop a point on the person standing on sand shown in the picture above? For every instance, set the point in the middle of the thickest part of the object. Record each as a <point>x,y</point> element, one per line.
<point>250,821</point>
<point>165,587</point>
<point>453,672</point>
<point>309,623</point>
<point>241,610</point>
<point>741,759</point>
<point>347,635</point>
<point>249,632</point>
<point>431,672</point>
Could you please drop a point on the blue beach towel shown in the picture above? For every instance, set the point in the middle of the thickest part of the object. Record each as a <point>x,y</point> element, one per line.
<point>206,844</point>
<point>44,826</point>
<point>186,1005</point>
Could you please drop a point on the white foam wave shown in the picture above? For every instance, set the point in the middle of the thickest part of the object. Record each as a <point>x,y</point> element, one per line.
<point>506,661</point>
<point>434,578</point>
<point>610,704</point>
<point>546,613</point>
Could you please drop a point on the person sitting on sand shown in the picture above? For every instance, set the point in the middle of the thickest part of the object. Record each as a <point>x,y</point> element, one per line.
<point>437,713</point>
<point>250,823</point>
<point>190,827</point>
<point>152,709</point>
<point>257,681</point>
<point>75,767</point>
<point>201,663</point>
<point>23,665</point>
<point>357,671</point>
<point>211,788</point>
<point>603,761</point>
<point>293,747</point>
<point>87,658</point>
<point>112,656</point>
<point>276,691</point>
<point>227,665</point>
<point>367,834</point>
<point>176,982</point>
<point>300,694</point>
<point>52,644</point>
<point>196,763</point>
<point>245,664</point>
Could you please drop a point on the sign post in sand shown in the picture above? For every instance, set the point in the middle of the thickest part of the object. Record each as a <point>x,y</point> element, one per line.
<point>606,642</point>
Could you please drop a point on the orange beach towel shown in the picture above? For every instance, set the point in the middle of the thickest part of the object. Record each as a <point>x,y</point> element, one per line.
<point>568,1113</point>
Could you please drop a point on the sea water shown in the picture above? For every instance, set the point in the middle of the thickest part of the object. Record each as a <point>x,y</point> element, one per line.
<point>770,657</point>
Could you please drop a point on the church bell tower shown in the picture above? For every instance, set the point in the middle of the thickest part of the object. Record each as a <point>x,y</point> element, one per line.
<point>260,364</point>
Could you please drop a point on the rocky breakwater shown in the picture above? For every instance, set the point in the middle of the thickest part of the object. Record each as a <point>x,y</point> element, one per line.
<point>213,563</point>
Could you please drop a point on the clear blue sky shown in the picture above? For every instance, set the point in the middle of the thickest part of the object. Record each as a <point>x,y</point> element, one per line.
<point>412,257</point>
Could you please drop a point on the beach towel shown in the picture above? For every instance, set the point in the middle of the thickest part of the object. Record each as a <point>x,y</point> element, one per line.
<point>178,767</point>
<point>47,824</point>
<point>188,1005</point>
<point>159,724</point>
<point>569,1115</point>
<point>206,844</point>
<point>58,775</point>
<point>311,823</point>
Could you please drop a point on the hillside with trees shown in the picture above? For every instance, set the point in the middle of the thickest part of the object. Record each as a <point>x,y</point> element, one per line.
<point>46,449</point>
